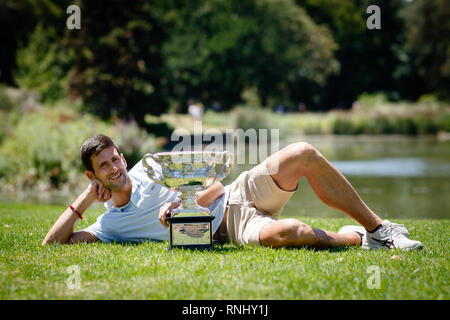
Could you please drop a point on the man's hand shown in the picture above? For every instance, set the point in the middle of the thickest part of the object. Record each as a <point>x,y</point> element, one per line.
<point>96,191</point>
<point>166,211</point>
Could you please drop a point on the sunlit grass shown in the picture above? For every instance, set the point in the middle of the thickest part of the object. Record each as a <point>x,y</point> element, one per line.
<point>151,271</point>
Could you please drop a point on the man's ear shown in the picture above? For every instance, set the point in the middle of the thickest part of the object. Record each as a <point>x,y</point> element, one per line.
<point>89,174</point>
<point>123,159</point>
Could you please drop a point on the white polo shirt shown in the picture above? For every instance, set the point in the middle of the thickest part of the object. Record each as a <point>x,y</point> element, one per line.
<point>138,219</point>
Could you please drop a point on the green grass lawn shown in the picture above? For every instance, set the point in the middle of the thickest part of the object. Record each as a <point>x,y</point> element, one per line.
<point>150,271</point>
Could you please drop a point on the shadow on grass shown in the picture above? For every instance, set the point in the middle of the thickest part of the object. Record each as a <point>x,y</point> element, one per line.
<point>216,248</point>
<point>222,248</point>
<point>333,249</point>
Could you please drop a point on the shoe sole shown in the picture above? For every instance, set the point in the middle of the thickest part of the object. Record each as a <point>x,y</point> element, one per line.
<point>374,247</point>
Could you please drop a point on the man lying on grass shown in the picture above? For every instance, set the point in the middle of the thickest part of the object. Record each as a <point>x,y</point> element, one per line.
<point>245,211</point>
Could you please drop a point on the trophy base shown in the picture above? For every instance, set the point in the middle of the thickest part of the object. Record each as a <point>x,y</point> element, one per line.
<point>190,232</point>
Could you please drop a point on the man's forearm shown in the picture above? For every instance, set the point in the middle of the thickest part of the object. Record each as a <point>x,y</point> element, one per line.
<point>208,196</point>
<point>64,226</point>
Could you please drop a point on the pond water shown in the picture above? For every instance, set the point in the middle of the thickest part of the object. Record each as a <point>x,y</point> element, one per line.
<point>397,177</point>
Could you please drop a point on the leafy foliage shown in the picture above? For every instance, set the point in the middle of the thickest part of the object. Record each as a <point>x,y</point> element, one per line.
<point>118,62</point>
<point>427,21</point>
<point>217,49</point>
<point>140,57</point>
<point>17,20</point>
<point>43,66</point>
<point>42,149</point>
<point>210,50</point>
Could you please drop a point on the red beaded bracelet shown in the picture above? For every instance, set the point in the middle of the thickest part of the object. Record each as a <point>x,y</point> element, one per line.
<point>76,211</point>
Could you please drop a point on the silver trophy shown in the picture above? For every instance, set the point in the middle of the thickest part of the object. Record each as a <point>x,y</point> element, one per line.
<point>189,172</point>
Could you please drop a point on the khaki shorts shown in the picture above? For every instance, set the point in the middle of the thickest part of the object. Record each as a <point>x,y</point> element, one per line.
<point>255,200</point>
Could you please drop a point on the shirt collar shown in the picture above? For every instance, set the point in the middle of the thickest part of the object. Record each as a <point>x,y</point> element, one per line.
<point>134,197</point>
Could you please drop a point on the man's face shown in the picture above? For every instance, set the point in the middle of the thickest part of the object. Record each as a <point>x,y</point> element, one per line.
<point>110,168</point>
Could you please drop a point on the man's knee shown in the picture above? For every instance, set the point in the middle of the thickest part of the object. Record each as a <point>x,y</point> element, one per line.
<point>295,232</point>
<point>304,153</point>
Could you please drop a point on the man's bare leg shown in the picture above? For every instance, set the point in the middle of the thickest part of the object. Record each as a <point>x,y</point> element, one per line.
<point>293,233</point>
<point>299,160</point>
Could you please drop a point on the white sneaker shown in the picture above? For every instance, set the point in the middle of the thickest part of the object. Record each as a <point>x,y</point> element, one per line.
<point>360,229</point>
<point>400,227</point>
<point>391,236</point>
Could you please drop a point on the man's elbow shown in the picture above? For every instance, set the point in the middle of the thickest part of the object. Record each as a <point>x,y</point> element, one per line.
<point>51,240</point>
<point>46,242</point>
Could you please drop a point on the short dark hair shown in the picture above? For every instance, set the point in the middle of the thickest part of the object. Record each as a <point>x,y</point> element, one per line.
<point>93,146</point>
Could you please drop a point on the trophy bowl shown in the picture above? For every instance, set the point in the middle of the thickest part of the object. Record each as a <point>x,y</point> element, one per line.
<point>188,172</point>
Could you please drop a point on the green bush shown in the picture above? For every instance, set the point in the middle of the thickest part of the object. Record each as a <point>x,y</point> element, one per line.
<point>372,99</point>
<point>405,125</point>
<point>315,125</point>
<point>250,117</point>
<point>6,105</point>
<point>428,99</point>
<point>426,124</point>
<point>445,122</point>
<point>342,125</point>
<point>381,125</point>
<point>42,150</point>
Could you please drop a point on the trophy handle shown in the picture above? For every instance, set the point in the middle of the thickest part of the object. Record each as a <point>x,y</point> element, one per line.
<point>151,172</point>
<point>226,168</point>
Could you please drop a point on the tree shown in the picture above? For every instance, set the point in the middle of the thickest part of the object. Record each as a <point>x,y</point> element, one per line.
<point>42,66</point>
<point>428,26</point>
<point>118,64</point>
<point>218,48</point>
<point>134,58</point>
<point>17,20</point>
<point>369,59</point>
